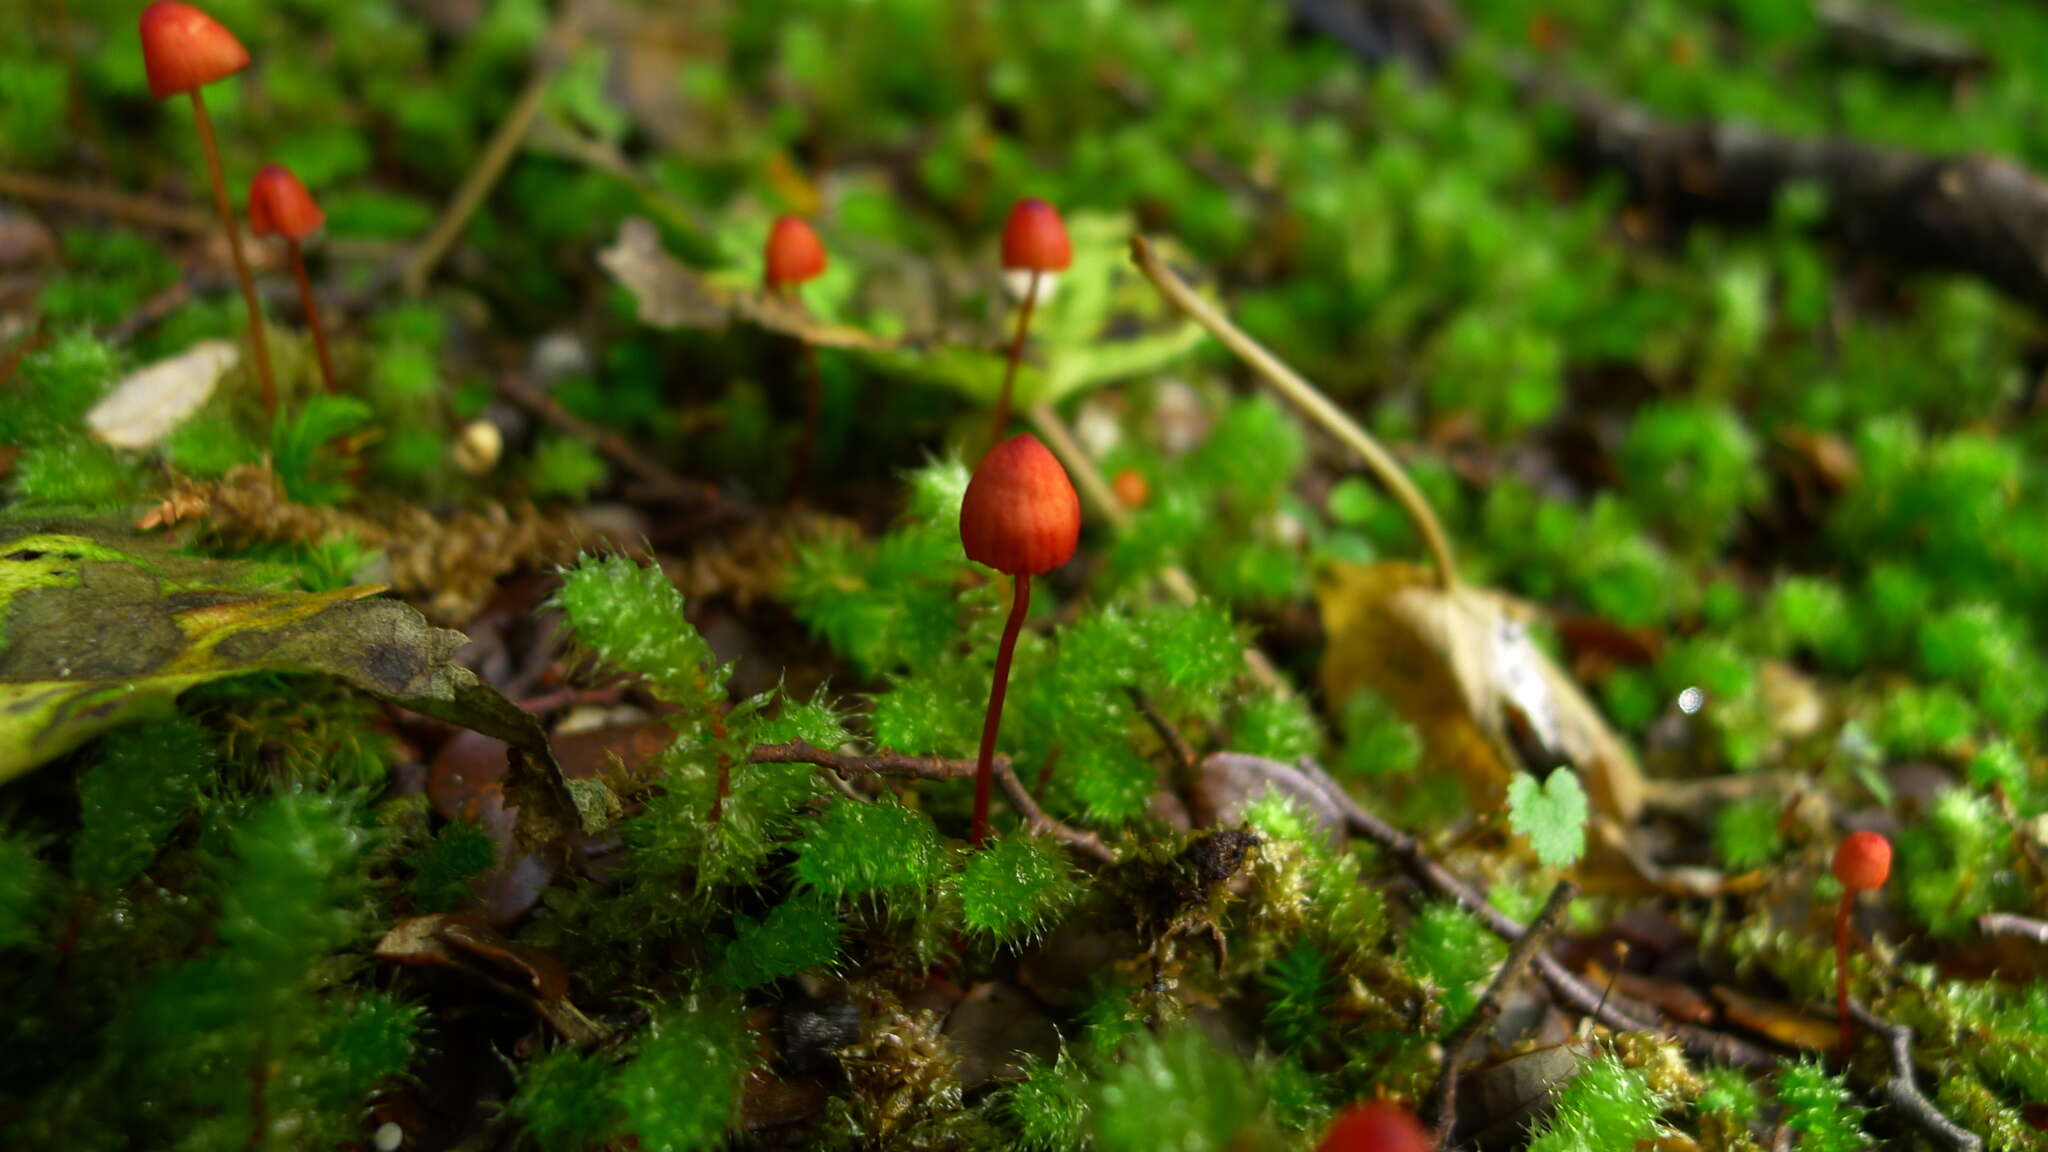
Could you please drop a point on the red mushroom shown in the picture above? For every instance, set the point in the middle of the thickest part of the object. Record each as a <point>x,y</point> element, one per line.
<point>1862,862</point>
<point>184,50</point>
<point>794,255</point>
<point>1034,241</point>
<point>1375,1126</point>
<point>279,204</point>
<point>1020,516</point>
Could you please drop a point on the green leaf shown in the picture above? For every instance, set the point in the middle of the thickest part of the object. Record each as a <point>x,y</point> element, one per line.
<point>1552,815</point>
<point>98,630</point>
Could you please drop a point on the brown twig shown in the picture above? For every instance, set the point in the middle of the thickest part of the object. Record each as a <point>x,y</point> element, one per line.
<point>612,445</point>
<point>938,768</point>
<point>1183,752</point>
<point>2015,927</point>
<point>496,158</point>
<point>116,205</point>
<point>1311,400</point>
<point>1444,1095</point>
<point>1903,1094</point>
<point>1570,990</point>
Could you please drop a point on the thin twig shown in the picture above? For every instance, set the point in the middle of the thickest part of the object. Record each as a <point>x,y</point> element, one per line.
<point>1103,503</point>
<point>2017,927</point>
<point>1310,399</point>
<point>1903,1094</point>
<point>1444,1096</point>
<point>497,155</point>
<point>1570,990</point>
<point>938,768</point>
<point>614,446</point>
<point>1183,752</point>
<point>116,205</point>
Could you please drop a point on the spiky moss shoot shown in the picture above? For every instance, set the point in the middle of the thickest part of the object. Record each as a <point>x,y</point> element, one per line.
<point>1178,1092</point>
<point>1450,949</point>
<point>1276,725</point>
<point>682,1088</point>
<point>1959,864</point>
<point>1047,1110</point>
<point>1607,1105</point>
<point>630,620</point>
<point>564,1101</point>
<point>1300,988</point>
<point>445,866</point>
<point>143,782</point>
<point>677,1091</point>
<point>859,849</point>
<point>565,468</point>
<point>1820,1107</point>
<point>674,849</point>
<point>800,933</point>
<point>25,889</point>
<point>1746,832</point>
<point>1015,890</point>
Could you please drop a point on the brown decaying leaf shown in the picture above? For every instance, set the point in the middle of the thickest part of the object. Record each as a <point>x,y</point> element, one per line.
<point>1458,663</point>
<point>1779,1022</point>
<point>467,946</point>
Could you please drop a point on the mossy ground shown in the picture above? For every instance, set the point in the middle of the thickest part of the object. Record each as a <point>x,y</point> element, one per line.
<point>1771,494</point>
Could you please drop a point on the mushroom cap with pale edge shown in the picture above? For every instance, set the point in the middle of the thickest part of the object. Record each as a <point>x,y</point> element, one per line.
<point>279,203</point>
<point>794,254</point>
<point>184,49</point>
<point>1035,239</point>
<point>1021,514</point>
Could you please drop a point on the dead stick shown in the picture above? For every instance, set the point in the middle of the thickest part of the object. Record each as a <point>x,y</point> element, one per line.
<point>938,768</point>
<point>120,206</point>
<point>611,444</point>
<point>1444,1096</point>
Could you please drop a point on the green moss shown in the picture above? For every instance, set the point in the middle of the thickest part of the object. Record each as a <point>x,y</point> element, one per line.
<point>800,933</point>
<point>681,1090</point>
<point>1177,1091</point>
<point>1450,949</point>
<point>142,783</point>
<point>1606,1105</point>
<point>444,868</point>
<point>867,849</point>
<point>25,890</point>
<point>1015,889</point>
<point>1821,1109</point>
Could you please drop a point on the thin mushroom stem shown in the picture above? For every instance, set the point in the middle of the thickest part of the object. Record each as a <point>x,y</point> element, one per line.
<point>257,345</point>
<point>984,767</point>
<point>311,306</point>
<point>1002,419</point>
<point>1311,400</point>
<point>1848,1043</point>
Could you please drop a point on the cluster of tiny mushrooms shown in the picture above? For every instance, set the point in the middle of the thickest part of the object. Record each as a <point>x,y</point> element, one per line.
<point>183,51</point>
<point>1020,515</point>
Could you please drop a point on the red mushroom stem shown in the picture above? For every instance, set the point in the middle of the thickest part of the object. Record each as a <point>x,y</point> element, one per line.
<point>257,345</point>
<point>311,305</point>
<point>999,686</point>
<point>1002,417</point>
<point>1848,1042</point>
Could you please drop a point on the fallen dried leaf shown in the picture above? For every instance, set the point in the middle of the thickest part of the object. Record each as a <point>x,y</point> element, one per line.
<point>1459,664</point>
<point>148,405</point>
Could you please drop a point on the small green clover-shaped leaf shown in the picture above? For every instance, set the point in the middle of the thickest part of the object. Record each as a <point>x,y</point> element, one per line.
<point>1551,814</point>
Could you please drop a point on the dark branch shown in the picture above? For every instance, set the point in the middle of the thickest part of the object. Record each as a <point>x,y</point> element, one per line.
<point>936,768</point>
<point>1444,1096</point>
<point>1903,1093</point>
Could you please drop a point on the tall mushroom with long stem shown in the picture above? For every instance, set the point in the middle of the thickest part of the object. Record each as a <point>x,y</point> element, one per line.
<point>279,204</point>
<point>184,50</point>
<point>1034,243</point>
<point>1862,862</point>
<point>1021,517</point>
<point>794,255</point>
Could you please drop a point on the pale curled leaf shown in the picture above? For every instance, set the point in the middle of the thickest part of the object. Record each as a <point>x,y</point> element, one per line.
<point>1458,664</point>
<point>147,406</point>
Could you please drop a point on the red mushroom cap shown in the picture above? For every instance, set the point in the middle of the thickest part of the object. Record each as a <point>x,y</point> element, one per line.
<point>1862,861</point>
<point>279,203</point>
<point>1375,1126</point>
<point>184,48</point>
<point>795,253</point>
<point>1020,514</point>
<point>1034,240</point>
